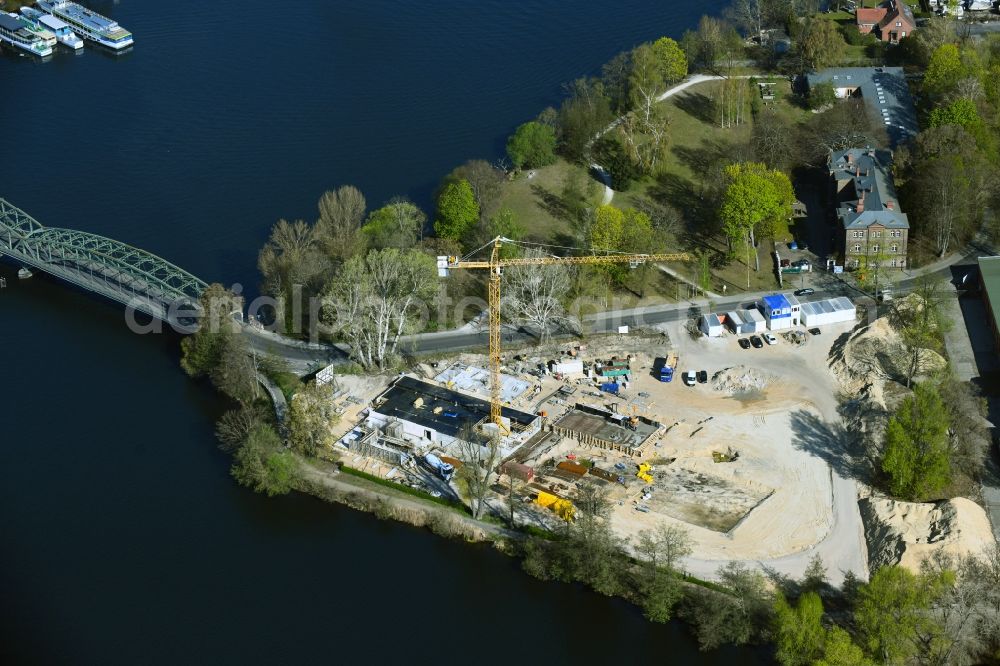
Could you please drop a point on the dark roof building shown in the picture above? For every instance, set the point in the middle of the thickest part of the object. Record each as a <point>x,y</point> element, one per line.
<point>874,227</point>
<point>989,282</point>
<point>884,91</point>
<point>441,410</point>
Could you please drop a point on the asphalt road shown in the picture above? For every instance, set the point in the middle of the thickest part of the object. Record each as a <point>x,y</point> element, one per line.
<point>304,358</point>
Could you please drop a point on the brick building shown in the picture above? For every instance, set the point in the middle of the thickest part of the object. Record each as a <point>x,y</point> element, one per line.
<point>890,22</point>
<point>872,228</point>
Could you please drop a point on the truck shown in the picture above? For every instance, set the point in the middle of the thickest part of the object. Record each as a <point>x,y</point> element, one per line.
<point>445,470</point>
<point>667,368</point>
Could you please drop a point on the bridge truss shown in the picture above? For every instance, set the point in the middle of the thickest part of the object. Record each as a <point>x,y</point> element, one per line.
<point>104,266</point>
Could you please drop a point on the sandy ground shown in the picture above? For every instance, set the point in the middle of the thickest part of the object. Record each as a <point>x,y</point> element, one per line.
<point>809,509</point>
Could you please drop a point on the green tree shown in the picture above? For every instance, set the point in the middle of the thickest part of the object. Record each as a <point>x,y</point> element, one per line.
<point>840,650</point>
<point>457,210</point>
<point>582,115</point>
<point>820,43</point>
<point>262,465</point>
<point>798,630</point>
<point>610,153</point>
<point>662,549</point>
<point>203,351</point>
<point>616,230</point>
<point>916,445</point>
<point>892,610</point>
<point>756,201</point>
<point>311,417</point>
<point>963,113</point>
<point>338,228</point>
<point>944,71</point>
<point>645,81</point>
<point>399,224</point>
<point>532,145</point>
<point>671,59</point>
<point>821,95</point>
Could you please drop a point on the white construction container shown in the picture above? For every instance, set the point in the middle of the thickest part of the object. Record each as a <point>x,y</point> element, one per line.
<point>568,367</point>
<point>829,311</point>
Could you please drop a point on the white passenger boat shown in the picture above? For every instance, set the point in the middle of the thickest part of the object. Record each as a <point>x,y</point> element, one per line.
<point>89,24</point>
<point>13,32</point>
<point>23,273</point>
<point>47,36</point>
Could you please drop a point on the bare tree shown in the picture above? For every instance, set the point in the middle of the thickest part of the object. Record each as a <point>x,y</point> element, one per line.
<point>533,295</point>
<point>664,546</point>
<point>291,258</point>
<point>749,15</point>
<point>374,299</point>
<point>341,213</point>
<point>480,454</point>
<point>235,426</point>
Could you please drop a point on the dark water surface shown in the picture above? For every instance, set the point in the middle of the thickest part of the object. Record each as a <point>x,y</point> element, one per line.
<point>122,538</point>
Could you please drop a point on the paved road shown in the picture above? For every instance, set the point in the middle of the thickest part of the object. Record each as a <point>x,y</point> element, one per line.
<point>304,358</point>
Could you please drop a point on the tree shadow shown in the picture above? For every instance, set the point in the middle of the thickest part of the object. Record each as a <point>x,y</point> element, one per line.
<point>841,448</point>
<point>697,105</point>
<point>552,203</point>
<point>695,206</point>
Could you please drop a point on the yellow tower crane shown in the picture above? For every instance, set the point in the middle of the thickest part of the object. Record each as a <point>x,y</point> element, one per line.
<point>495,265</point>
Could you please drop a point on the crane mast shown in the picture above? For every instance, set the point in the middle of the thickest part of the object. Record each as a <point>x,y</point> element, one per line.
<point>495,266</point>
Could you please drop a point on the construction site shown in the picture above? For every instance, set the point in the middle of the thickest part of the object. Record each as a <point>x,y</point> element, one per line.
<point>738,443</point>
<point>724,458</point>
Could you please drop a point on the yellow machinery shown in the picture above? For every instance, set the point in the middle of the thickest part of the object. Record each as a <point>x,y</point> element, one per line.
<point>559,506</point>
<point>495,265</point>
<point>644,472</point>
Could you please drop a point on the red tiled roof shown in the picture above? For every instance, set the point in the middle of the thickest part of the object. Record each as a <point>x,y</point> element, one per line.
<point>871,15</point>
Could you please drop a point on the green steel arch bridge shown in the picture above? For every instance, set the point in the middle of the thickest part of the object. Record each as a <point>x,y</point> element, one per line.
<point>123,273</point>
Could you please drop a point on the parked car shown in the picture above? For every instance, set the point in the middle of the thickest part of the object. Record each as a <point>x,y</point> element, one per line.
<point>744,343</point>
<point>756,342</point>
<point>689,378</point>
<point>801,263</point>
<point>702,376</point>
<point>814,331</point>
<point>808,291</point>
<point>770,339</point>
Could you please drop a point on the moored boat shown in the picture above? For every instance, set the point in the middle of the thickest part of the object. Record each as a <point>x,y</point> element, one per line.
<point>13,32</point>
<point>47,36</point>
<point>89,24</point>
<point>60,28</point>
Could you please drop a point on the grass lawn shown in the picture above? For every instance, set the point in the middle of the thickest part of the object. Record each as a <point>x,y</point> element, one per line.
<point>536,201</point>
<point>699,148</point>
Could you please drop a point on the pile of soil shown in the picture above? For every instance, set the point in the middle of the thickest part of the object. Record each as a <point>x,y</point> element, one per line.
<point>869,356</point>
<point>740,380</point>
<point>905,533</point>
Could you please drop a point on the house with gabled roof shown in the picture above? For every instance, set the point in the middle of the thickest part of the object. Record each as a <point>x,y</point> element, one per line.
<point>890,22</point>
<point>875,231</point>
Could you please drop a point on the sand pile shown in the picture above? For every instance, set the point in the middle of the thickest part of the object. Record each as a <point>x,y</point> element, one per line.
<point>740,379</point>
<point>906,532</point>
<point>869,356</point>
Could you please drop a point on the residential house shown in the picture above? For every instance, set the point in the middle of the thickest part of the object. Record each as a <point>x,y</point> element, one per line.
<point>890,22</point>
<point>875,230</point>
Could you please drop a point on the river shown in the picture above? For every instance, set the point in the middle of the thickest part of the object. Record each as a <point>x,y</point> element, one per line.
<point>122,538</point>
